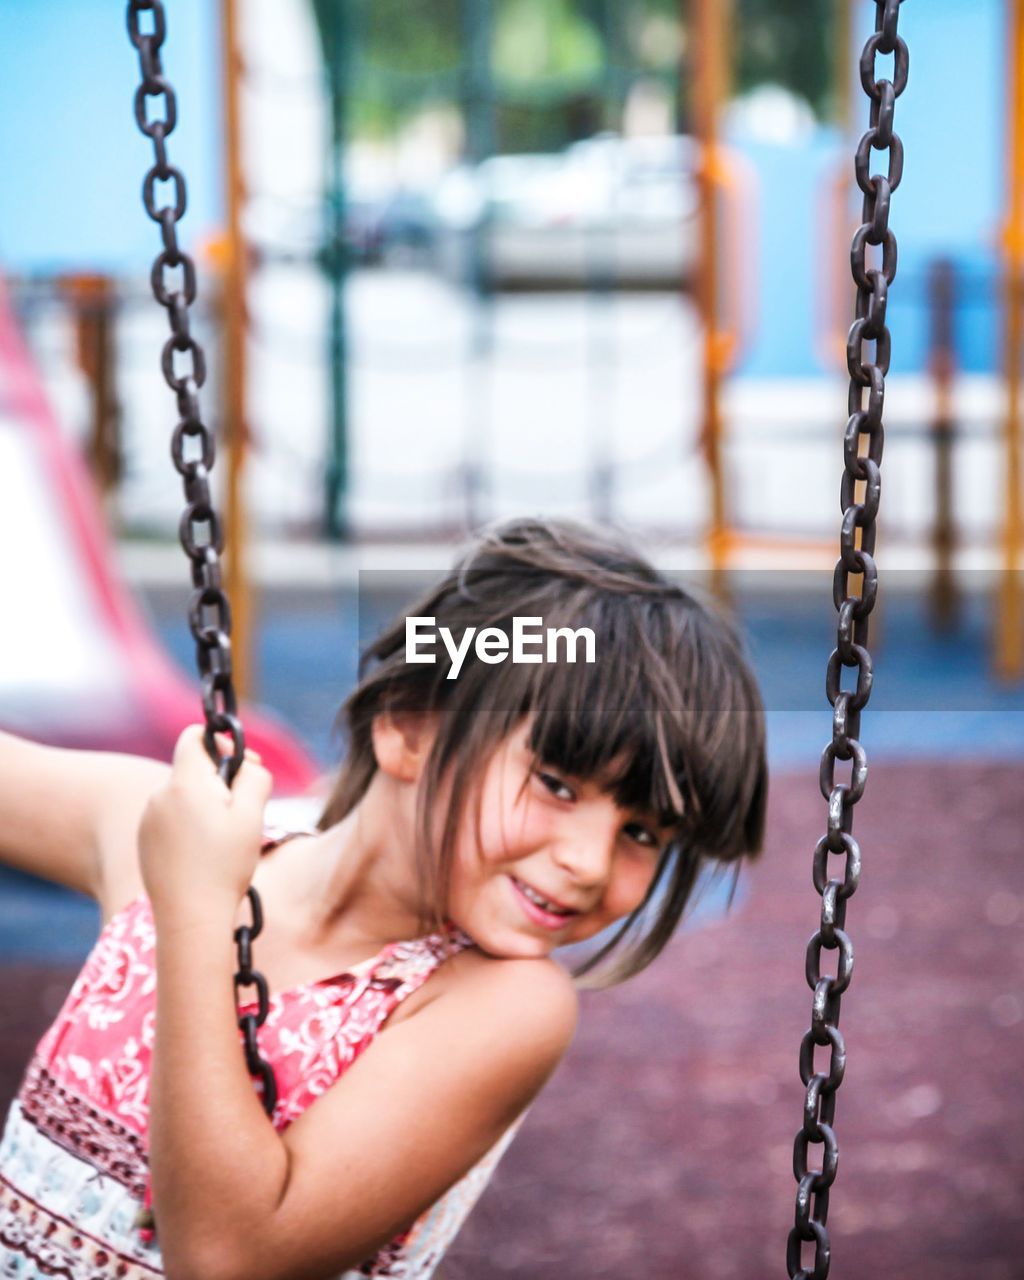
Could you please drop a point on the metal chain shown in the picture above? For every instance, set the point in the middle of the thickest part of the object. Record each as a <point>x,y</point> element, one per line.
<point>864,426</point>
<point>192,450</point>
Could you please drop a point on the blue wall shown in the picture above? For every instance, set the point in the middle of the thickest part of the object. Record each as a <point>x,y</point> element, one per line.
<point>72,159</point>
<point>949,202</point>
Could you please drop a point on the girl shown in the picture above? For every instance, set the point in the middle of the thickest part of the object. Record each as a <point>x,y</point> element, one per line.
<point>478,823</point>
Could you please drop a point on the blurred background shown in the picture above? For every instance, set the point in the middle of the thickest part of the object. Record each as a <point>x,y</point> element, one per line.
<point>467,259</point>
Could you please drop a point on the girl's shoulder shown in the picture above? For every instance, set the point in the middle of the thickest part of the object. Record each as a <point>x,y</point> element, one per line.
<point>494,987</point>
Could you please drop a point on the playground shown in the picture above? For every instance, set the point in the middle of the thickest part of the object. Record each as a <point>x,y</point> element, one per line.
<point>414,330</point>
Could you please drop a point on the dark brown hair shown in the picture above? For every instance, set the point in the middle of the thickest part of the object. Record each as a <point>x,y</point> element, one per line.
<point>668,717</point>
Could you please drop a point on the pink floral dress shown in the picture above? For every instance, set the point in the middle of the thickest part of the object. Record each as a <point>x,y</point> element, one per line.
<point>74,1174</point>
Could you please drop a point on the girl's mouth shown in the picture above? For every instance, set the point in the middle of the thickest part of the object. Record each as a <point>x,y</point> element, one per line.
<point>538,914</point>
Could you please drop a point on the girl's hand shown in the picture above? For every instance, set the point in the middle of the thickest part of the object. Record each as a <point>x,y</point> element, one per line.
<point>199,841</point>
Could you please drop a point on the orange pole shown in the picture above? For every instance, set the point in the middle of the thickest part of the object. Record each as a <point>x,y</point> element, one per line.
<point>1008,657</point>
<point>709,23</point>
<point>93,299</point>
<point>234,318</point>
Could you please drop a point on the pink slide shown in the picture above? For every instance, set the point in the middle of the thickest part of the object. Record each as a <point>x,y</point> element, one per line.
<point>78,664</point>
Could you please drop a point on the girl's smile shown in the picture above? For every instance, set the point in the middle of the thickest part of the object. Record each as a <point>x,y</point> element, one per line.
<point>540,909</point>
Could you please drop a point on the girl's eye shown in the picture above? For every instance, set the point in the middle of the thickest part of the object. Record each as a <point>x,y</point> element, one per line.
<point>636,831</point>
<point>556,786</point>
<point>641,835</point>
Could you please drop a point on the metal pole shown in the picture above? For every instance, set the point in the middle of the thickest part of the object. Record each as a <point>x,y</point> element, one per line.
<point>93,300</point>
<point>1008,657</point>
<point>611,18</point>
<point>709,22</point>
<point>336,41</point>
<point>234,319</point>
<point>601,281</point>
<point>942,364</point>
<point>476,21</point>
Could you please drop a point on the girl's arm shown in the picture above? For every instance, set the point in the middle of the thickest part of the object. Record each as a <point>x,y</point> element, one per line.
<point>234,1200</point>
<point>72,816</point>
<point>425,1101</point>
<point>409,1118</point>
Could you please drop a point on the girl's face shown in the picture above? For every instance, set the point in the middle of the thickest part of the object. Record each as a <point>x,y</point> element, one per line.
<point>544,835</point>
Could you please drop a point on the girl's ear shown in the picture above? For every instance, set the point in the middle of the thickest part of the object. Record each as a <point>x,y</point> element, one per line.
<point>402,743</point>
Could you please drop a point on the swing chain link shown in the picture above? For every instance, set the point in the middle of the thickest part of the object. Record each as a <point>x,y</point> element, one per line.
<point>862,454</point>
<point>183,364</point>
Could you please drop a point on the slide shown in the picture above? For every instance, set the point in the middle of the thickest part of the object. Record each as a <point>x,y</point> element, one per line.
<point>79,665</point>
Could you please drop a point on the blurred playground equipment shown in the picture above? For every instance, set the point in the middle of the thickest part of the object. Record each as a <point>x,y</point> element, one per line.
<point>619,208</point>
<point>427,404</point>
<point>398,403</point>
<point>415,407</point>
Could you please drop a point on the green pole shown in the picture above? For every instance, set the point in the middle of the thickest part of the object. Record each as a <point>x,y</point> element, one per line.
<point>476,23</point>
<point>601,280</point>
<point>332,19</point>
<point>476,18</point>
<point>611,23</point>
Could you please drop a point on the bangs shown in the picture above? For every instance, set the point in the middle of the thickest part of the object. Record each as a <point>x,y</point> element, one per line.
<point>616,743</point>
<point>607,721</point>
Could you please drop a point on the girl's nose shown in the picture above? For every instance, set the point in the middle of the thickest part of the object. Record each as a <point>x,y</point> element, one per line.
<point>585,851</point>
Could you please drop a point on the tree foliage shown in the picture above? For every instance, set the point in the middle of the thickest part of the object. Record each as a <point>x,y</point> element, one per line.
<point>558,67</point>
<point>787,42</point>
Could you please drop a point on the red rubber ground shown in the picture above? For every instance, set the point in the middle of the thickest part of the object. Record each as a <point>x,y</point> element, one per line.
<point>662,1148</point>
